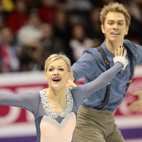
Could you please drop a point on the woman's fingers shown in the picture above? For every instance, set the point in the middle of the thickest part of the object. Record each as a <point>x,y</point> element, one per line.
<point>116,52</point>
<point>124,53</point>
<point>121,52</point>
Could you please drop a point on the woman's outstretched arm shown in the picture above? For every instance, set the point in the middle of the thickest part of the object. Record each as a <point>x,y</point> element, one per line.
<point>24,100</point>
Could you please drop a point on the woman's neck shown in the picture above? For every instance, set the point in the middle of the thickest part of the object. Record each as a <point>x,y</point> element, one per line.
<point>55,95</point>
<point>57,99</point>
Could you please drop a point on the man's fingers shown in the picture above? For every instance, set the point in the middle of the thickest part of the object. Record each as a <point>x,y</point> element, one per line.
<point>70,86</point>
<point>139,93</point>
<point>134,93</point>
<point>135,106</point>
<point>71,76</point>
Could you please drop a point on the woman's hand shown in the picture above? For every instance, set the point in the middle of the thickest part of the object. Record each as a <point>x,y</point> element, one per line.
<point>137,105</point>
<point>121,52</point>
<point>120,55</point>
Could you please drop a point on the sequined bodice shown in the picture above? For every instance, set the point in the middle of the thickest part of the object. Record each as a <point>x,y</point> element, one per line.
<point>53,130</point>
<point>48,111</point>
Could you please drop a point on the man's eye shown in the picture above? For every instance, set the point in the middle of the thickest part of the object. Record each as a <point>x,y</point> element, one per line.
<point>120,24</point>
<point>110,23</point>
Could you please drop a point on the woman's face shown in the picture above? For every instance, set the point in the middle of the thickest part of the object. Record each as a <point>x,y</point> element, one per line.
<point>57,74</point>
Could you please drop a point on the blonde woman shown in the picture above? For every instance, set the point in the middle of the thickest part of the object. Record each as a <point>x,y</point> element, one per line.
<point>55,108</point>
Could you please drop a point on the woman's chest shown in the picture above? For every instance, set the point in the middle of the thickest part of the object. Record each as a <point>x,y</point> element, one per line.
<point>57,129</point>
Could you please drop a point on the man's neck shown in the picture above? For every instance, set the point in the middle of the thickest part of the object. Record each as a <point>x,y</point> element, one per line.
<point>112,46</point>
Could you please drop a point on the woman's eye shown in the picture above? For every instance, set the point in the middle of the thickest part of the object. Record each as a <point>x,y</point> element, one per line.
<point>50,69</point>
<point>61,69</point>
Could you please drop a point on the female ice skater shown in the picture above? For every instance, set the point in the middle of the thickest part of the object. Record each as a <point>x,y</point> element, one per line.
<point>55,108</point>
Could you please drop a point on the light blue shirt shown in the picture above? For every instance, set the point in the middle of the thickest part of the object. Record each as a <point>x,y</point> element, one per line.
<point>91,65</point>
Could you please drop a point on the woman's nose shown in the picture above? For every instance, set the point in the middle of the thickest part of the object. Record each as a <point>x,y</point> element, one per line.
<point>56,73</point>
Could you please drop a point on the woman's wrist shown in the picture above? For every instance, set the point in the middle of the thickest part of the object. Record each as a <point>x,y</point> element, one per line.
<point>122,60</point>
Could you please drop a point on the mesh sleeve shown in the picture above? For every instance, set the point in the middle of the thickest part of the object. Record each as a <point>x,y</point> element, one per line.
<point>28,101</point>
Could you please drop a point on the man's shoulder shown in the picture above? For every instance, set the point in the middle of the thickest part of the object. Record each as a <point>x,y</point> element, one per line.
<point>130,45</point>
<point>92,54</point>
<point>92,51</point>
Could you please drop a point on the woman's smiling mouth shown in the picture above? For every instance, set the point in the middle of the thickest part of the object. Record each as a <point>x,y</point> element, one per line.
<point>56,79</point>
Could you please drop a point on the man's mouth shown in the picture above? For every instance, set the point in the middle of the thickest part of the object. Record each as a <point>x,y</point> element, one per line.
<point>115,33</point>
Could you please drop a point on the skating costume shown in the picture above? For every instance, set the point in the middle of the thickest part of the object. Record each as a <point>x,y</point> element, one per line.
<point>50,126</point>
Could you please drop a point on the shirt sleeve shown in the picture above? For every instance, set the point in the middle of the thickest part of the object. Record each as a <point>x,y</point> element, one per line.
<point>85,65</point>
<point>28,101</point>
<point>81,92</point>
<point>139,54</point>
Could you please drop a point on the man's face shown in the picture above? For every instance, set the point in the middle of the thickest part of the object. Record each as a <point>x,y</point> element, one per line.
<point>114,27</point>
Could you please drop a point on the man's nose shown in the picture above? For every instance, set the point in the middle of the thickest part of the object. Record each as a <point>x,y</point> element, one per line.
<point>115,26</point>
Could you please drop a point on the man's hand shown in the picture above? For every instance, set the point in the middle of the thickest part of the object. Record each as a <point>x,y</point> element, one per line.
<point>137,105</point>
<point>70,83</point>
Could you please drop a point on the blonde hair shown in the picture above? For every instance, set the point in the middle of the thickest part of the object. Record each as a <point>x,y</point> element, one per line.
<point>114,7</point>
<point>54,57</point>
